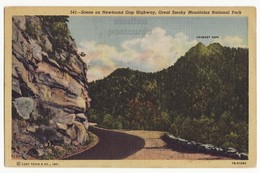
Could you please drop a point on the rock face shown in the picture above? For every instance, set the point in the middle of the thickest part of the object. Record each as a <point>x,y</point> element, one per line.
<point>49,86</point>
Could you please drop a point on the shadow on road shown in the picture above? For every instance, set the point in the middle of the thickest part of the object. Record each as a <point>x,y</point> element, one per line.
<point>112,146</point>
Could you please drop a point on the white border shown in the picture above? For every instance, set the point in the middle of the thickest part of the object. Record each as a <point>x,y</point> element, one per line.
<point>5,3</point>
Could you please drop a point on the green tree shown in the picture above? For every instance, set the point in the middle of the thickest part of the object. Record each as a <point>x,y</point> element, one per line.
<point>107,121</point>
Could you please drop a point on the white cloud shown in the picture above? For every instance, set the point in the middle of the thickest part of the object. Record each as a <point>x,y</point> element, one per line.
<point>230,41</point>
<point>99,58</point>
<point>155,51</point>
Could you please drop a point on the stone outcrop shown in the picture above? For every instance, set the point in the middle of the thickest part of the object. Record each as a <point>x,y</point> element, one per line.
<point>49,87</point>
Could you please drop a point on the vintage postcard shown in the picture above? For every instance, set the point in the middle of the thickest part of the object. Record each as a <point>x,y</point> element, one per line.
<point>130,87</point>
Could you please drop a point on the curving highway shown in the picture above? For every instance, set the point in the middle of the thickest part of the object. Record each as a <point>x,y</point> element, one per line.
<point>112,146</point>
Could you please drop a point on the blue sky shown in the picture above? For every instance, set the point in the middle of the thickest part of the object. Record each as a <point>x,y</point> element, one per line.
<point>148,43</point>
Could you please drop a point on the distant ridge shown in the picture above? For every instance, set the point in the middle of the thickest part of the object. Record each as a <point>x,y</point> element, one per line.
<point>204,88</point>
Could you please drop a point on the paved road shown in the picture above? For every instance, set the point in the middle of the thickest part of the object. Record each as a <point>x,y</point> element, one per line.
<point>112,145</point>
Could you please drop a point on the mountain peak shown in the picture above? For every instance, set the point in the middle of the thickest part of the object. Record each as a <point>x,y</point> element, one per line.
<point>199,45</point>
<point>215,47</point>
<point>198,49</point>
<point>201,50</point>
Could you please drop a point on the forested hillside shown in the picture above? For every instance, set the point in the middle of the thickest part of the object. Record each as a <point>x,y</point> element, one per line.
<point>202,97</point>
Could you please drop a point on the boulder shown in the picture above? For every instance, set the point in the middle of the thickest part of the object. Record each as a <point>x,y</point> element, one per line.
<point>15,128</point>
<point>59,149</point>
<point>219,151</point>
<point>182,143</point>
<point>86,125</point>
<point>191,146</point>
<point>232,152</point>
<point>14,32</point>
<point>20,22</point>
<point>47,46</point>
<point>61,126</point>
<point>32,129</point>
<point>24,106</point>
<point>40,152</point>
<point>48,134</point>
<point>244,156</point>
<point>26,138</point>
<point>74,88</point>
<point>203,148</point>
<point>14,73</point>
<point>81,117</point>
<point>87,137</point>
<point>71,132</point>
<point>35,152</point>
<point>36,51</point>
<point>58,140</point>
<point>66,119</point>
<point>235,155</point>
<point>67,141</point>
<point>170,140</point>
<point>44,133</point>
<point>16,91</point>
<point>49,151</point>
<point>25,156</point>
<point>75,143</point>
<point>81,132</point>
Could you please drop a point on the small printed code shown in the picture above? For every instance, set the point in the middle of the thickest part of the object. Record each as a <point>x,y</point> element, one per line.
<point>238,163</point>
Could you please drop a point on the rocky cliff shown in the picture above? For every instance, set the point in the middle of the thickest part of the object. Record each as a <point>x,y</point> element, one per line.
<point>49,88</point>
